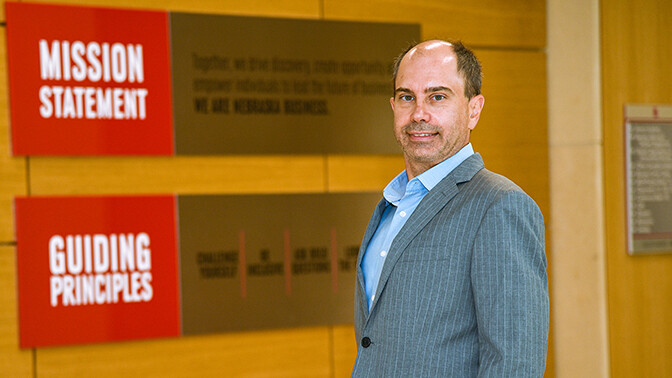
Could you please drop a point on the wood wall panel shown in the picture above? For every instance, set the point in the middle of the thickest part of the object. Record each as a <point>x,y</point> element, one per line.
<point>14,362</point>
<point>12,169</point>
<point>501,23</point>
<point>345,350</point>
<point>285,8</point>
<point>636,61</point>
<point>183,175</point>
<point>514,86</point>
<point>282,353</point>
<point>352,173</point>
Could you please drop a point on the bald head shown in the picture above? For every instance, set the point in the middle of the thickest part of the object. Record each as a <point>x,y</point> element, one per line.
<point>429,47</point>
<point>468,66</point>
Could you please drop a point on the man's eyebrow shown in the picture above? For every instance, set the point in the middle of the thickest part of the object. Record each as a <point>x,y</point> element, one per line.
<point>428,90</point>
<point>439,89</point>
<point>402,89</point>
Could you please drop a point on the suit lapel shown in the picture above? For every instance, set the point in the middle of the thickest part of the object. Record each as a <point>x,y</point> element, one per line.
<point>370,230</point>
<point>434,201</point>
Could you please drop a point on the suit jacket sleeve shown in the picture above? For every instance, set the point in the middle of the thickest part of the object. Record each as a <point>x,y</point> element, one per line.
<point>510,288</point>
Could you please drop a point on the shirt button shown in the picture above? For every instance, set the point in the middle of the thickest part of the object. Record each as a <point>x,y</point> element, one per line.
<point>383,253</point>
<point>373,297</point>
<point>366,342</point>
<point>402,214</point>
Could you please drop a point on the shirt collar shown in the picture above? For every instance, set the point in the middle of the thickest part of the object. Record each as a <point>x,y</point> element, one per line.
<point>396,189</point>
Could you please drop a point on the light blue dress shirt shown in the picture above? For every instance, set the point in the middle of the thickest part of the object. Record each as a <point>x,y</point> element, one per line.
<point>403,197</point>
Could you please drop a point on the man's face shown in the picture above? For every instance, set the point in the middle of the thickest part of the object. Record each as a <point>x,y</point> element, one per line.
<point>432,116</point>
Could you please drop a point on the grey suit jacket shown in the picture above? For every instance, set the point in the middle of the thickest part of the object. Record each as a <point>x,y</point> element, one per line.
<point>463,291</point>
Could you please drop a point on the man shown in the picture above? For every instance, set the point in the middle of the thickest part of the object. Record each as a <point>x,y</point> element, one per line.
<point>451,275</point>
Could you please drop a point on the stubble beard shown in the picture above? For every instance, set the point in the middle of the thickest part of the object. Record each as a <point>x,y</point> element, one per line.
<point>417,151</point>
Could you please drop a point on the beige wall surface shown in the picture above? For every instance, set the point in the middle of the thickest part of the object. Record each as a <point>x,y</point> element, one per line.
<point>637,56</point>
<point>577,231</point>
<point>510,38</point>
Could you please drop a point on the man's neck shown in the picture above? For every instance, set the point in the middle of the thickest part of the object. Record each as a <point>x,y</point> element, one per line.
<point>414,169</point>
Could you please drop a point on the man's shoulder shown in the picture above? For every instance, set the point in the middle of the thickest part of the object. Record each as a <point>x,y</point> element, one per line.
<point>494,181</point>
<point>475,181</point>
<point>491,187</point>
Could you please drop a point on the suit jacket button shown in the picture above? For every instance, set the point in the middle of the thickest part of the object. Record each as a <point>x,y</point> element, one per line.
<point>366,342</point>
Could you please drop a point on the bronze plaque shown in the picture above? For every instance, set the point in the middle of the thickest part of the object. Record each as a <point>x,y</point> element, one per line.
<point>246,85</point>
<point>269,261</point>
<point>649,178</point>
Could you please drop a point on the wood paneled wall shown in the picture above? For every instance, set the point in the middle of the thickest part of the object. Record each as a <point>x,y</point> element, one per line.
<point>508,36</point>
<point>636,68</point>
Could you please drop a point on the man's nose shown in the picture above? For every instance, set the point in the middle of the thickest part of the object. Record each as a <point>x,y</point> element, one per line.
<point>420,113</point>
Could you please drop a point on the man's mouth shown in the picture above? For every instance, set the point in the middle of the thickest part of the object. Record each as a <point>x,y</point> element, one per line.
<point>419,136</point>
<point>421,132</point>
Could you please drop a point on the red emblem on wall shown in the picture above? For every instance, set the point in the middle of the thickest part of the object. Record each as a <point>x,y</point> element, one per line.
<point>89,81</point>
<point>93,269</point>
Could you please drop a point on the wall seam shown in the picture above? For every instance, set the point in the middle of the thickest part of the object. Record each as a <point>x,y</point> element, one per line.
<point>28,183</point>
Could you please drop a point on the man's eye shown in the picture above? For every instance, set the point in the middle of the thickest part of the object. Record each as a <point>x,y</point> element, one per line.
<point>406,98</point>
<point>438,97</point>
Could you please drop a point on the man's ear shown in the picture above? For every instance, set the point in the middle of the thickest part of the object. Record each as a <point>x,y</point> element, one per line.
<point>475,107</point>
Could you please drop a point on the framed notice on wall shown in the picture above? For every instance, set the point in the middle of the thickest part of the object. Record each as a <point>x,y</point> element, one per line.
<point>648,142</point>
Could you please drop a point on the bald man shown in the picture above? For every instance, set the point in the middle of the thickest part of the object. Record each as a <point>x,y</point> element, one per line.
<point>451,274</point>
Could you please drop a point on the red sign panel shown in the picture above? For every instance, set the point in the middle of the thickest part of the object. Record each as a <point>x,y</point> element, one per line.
<point>93,269</point>
<point>89,81</point>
